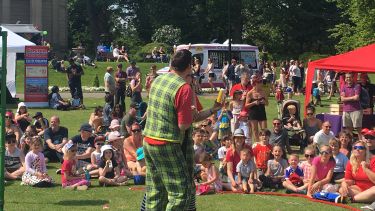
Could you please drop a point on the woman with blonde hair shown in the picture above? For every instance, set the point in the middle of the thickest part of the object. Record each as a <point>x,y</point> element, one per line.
<point>359,182</point>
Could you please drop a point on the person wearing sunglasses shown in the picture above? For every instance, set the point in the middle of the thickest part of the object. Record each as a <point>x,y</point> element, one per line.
<point>14,159</point>
<point>279,136</point>
<point>93,168</point>
<point>131,144</point>
<point>321,171</point>
<point>306,165</point>
<point>10,127</point>
<point>359,182</point>
<point>311,125</point>
<point>323,136</point>
<point>368,136</point>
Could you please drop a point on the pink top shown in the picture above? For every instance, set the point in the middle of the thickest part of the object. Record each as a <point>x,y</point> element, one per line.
<point>347,91</point>
<point>306,167</point>
<point>322,169</point>
<point>217,184</point>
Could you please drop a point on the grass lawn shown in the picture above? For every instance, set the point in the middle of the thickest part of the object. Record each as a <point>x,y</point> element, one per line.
<point>121,198</point>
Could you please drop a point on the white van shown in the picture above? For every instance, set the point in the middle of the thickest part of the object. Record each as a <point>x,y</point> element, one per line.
<point>219,53</point>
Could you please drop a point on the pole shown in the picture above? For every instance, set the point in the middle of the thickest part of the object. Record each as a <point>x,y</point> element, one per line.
<point>229,34</point>
<point>4,35</point>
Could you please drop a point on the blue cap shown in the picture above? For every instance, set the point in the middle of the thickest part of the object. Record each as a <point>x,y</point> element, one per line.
<point>140,154</point>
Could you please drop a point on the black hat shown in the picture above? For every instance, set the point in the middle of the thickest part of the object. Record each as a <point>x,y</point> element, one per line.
<point>85,127</point>
<point>37,114</point>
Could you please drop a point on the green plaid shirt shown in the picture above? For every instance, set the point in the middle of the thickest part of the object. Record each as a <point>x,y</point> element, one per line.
<point>161,114</point>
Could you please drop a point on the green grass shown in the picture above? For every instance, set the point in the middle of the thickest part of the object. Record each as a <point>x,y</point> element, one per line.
<point>121,198</point>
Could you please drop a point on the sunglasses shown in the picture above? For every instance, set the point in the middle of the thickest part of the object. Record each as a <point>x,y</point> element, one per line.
<point>327,126</point>
<point>136,130</point>
<point>11,141</point>
<point>100,144</point>
<point>310,114</point>
<point>325,152</point>
<point>276,123</point>
<point>204,125</point>
<point>359,147</point>
<point>8,117</point>
<point>369,137</point>
<point>309,156</point>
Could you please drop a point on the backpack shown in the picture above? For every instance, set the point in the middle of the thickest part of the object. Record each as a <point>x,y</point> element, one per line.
<point>364,98</point>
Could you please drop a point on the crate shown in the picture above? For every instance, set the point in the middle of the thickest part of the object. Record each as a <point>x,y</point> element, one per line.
<point>335,109</point>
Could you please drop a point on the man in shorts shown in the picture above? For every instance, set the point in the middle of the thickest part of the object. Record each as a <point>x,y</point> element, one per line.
<point>352,111</point>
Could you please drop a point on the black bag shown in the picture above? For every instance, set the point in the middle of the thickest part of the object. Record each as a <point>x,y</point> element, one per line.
<point>364,98</point>
<point>128,91</point>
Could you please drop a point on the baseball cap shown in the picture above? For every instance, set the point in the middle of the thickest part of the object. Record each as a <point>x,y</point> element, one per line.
<point>37,114</point>
<point>85,127</point>
<point>68,146</point>
<point>367,132</point>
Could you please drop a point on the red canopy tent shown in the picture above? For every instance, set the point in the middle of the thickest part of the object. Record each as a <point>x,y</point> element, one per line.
<point>358,60</point>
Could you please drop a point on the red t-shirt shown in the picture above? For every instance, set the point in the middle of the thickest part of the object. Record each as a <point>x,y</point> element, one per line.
<point>262,154</point>
<point>360,178</point>
<point>239,86</point>
<point>182,104</point>
<point>67,167</point>
<point>234,157</point>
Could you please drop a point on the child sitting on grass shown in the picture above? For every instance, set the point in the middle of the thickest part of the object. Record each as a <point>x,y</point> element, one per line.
<point>36,171</point>
<point>93,168</point>
<point>198,138</point>
<point>275,169</point>
<point>109,172</point>
<point>294,177</point>
<point>212,174</point>
<point>246,171</point>
<point>262,151</point>
<point>69,177</point>
<point>226,142</point>
<point>306,165</point>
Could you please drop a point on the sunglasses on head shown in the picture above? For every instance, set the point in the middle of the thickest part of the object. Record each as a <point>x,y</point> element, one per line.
<point>359,147</point>
<point>369,137</point>
<point>309,156</point>
<point>325,152</point>
<point>136,130</point>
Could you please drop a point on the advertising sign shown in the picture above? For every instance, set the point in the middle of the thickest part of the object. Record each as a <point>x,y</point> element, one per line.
<point>36,76</point>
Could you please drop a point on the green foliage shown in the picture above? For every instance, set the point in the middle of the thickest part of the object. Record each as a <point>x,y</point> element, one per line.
<point>306,56</point>
<point>167,34</point>
<point>358,28</point>
<point>95,83</point>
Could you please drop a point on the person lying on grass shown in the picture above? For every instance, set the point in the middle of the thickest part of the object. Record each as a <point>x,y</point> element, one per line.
<point>69,178</point>
<point>109,172</point>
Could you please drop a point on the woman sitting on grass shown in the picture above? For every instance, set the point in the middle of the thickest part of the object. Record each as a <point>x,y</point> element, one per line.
<point>69,178</point>
<point>359,182</point>
<point>14,159</point>
<point>96,118</point>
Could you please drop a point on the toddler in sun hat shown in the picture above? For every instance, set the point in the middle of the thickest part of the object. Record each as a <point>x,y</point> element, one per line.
<point>140,174</point>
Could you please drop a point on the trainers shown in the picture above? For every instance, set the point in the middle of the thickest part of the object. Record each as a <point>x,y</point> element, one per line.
<point>58,171</point>
<point>123,183</point>
<point>289,191</point>
<point>70,187</point>
<point>82,187</point>
<point>369,207</point>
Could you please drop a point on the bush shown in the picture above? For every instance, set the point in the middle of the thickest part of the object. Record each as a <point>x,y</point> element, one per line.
<point>145,50</point>
<point>311,55</point>
<point>95,83</point>
<point>167,34</point>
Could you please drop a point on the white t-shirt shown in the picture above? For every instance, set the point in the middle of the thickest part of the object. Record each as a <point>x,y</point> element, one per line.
<point>321,138</point>
<point>222,152</point>
<point>294,71</point>
<point>116,52</point>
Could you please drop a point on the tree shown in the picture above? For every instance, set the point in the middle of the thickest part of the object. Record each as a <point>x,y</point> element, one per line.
<point>167,34</point>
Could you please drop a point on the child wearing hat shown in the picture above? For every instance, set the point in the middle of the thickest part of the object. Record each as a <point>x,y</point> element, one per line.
<point>40,123</point>
<point>140,173</point>
<point>93,168</point>
<point>109,171</point>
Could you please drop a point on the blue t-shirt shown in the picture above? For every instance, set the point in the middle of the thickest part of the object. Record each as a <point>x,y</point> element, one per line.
<point>290,170</point>
<point>341,161</point>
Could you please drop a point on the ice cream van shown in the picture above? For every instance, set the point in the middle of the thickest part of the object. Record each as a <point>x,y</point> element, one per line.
<point>219,53</point>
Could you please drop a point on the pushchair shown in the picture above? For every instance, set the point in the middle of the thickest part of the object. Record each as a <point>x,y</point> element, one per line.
<point>292,123</point>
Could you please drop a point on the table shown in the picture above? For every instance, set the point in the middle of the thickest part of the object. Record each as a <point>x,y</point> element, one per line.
<point>368,121</point>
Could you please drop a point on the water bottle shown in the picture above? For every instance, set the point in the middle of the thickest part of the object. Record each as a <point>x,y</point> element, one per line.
<point>87,175</point>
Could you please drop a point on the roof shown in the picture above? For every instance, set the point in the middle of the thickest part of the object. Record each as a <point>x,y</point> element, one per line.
<point>15,43</point>
<point>21,28</point>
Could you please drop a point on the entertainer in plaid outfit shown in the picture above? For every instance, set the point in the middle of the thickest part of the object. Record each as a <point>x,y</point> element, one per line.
<point>167,143</point>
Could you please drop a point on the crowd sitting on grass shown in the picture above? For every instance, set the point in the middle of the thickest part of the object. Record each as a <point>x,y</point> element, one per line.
<point>109,147</point>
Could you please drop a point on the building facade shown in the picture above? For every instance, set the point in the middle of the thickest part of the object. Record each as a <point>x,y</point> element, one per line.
<point>45,15</point>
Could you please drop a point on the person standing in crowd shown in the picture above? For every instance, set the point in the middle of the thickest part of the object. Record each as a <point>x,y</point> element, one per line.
<point>171,100</point>
<point>224,75</point>
<point>55,137</point>
<point>295,73</point>
<point>197,75</point>
<point>128,120</point>
<point>244,86</point>
<point>231,73</point>
<point>120,78</point>
<point>150,78</point>
<point>136,86</point>
<point>132,70</point>
<point>109,83</point>
<point>74,73</point>
<point>352,111</point>
<point>210,72</point>
<point>366,84</point>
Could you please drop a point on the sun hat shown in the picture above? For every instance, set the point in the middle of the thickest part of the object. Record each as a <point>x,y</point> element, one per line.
<point>114,123</point>
<point>114,135</point>
<point>104,148</point>
<point>140,154</point>
<point>21,104</point>
<point>239,133</point>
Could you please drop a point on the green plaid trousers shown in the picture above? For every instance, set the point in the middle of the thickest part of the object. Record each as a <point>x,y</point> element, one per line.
<point>169,178</point>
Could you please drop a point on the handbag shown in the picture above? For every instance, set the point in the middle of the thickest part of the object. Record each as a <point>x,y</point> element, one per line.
<point>202,189</point>
<point>128,91</point>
